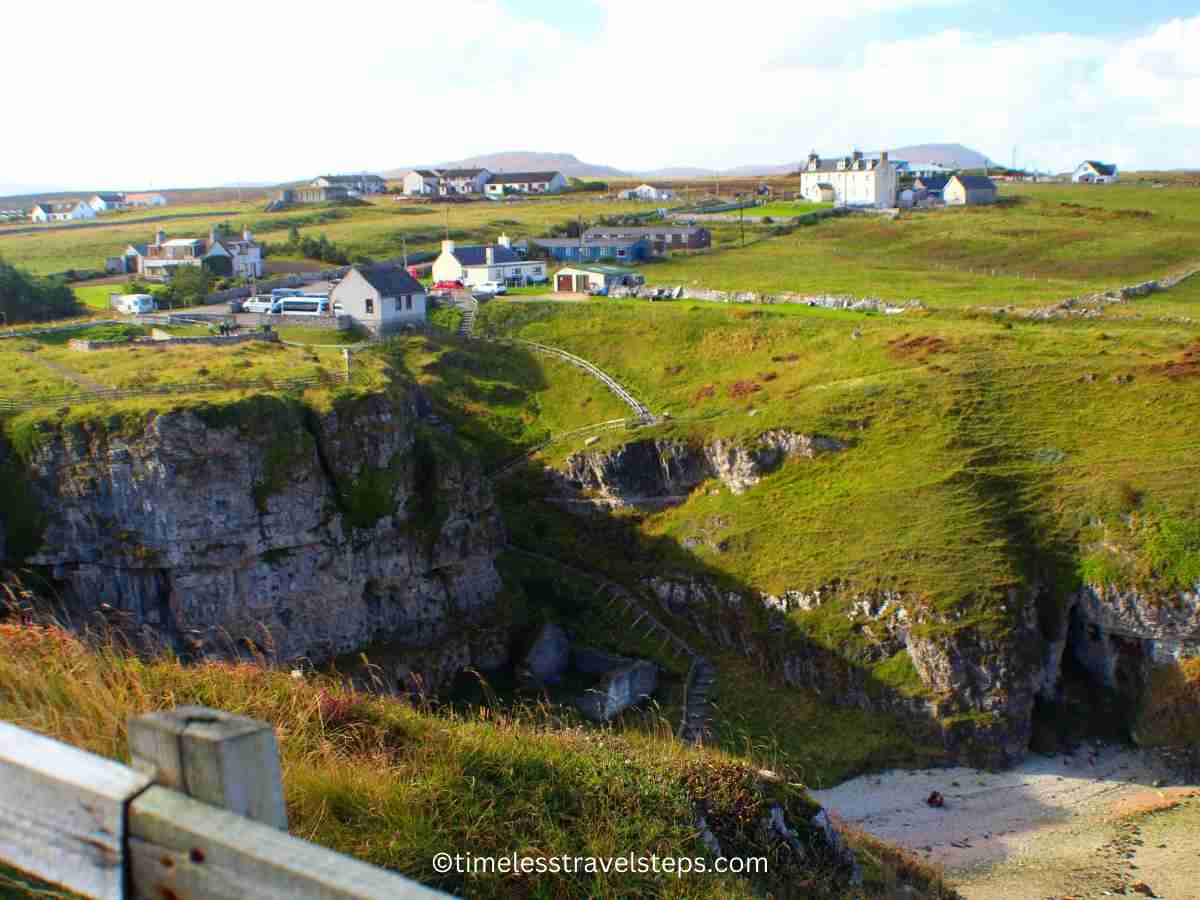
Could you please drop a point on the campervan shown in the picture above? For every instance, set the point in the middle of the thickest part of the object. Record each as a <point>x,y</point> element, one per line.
<point>304,305</point>
<point>134,304</point>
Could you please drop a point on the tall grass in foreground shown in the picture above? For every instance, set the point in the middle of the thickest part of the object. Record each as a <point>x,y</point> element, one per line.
<point>393,784</point>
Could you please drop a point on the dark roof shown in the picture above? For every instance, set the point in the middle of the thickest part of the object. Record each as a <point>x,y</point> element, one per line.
<point>477,255</point>
<point>976,182</point>
<point>139,249</point>
<point>112,198</point>
<point>831,165</point>
<point>932,182</point>
<point>391,281</point>
<point>1101,168</point>
<point>639,231</point>
<point>462,173</point>
<point>521,177</point>
<point>589,242</point>
<point>426,173</point>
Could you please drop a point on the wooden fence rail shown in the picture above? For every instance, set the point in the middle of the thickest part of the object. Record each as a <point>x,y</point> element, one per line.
<point>199,816</point>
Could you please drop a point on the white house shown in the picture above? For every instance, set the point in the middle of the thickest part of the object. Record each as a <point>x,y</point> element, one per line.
<point>969,190</point>
<point>61,212</point>
<point>161,259</point>
<point>491,262</point>
<point>420,182</point>
<point>647,192</point>
<point>462,181</point>
<point>382,299</point>
<point>850,180</point>
<point>354,184</point>
<point>503,183</point>
<point>107,202</point>
<point>1091,171</point>
<point>144,199</point>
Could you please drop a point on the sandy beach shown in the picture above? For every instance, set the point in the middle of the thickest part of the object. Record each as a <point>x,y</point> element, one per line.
<point>1067,826</point>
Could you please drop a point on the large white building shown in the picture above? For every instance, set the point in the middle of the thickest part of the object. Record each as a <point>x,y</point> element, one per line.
<point>502,183</point>
<point>850,180</point>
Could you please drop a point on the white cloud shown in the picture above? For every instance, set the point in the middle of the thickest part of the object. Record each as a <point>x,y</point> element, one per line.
<point>175,95</point>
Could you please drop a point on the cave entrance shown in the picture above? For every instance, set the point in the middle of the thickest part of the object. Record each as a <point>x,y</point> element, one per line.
<point>1088,706</point>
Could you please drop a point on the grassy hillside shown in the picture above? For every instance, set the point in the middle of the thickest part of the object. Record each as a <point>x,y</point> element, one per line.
<point>981,452</point>
<point>394,784</point>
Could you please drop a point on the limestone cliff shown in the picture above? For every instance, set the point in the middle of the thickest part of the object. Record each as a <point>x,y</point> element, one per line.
<point>669,468</point>
<point>302,533</point>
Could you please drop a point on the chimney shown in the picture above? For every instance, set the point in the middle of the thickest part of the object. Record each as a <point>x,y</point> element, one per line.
<point>160,236</point>
<point>212,235</point>
<point>883,158</point>
<point>246,235</point>
<point>857,155</point>
<point>504,241</point>
<point>490,255</point>
<point>448,247</point>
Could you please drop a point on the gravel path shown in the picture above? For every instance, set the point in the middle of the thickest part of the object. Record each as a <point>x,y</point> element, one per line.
<point>1050,828</point>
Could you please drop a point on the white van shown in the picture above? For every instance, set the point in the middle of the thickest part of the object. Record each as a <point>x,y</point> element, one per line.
<point>307,305</point>
<point>134,304</point>
<point>261,303</point>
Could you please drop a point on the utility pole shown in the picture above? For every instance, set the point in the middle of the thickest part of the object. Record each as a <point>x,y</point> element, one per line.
<point>742,212</point>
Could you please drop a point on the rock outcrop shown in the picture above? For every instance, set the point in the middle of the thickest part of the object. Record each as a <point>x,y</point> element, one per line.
<point>264,524</point>
<point>977,687</point>
<point>654,469</point>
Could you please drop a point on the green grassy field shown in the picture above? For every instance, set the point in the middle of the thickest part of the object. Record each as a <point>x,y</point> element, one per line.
<point>785,209</point>
<point>43,365</point>
<point>95,296</point>
<point>1049,243</point>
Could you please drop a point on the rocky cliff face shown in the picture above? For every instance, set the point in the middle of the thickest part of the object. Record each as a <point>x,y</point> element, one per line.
<point>668,468</point>
<point>977,687</point>
<point>267,524</point>
<point>1117,635</point>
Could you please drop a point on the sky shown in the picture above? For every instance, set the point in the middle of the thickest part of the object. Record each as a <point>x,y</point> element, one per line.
<point>122,96</point>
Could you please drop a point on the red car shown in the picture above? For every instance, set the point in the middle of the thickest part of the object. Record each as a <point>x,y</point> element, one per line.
<point>448,286</point>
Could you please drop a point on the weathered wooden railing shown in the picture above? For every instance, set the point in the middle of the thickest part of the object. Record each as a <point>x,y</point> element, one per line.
<point>200,816</point>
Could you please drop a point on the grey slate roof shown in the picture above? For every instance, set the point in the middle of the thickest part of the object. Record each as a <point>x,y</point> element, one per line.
<point>461,173</point>
<point>1102,168</point>
<point>638,231</point>
<point>391,281</point>
<point>477,255</point>
<point>112,198</point>
<point>976,182</point>
<point>933,182</point>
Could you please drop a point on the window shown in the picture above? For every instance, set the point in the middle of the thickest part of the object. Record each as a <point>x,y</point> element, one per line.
<point>370,301</point>
<point>408,301</point>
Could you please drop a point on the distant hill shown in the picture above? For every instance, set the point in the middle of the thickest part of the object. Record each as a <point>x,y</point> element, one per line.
<point>676,172</point>
<point>953,155</point>
<point>522,161</point>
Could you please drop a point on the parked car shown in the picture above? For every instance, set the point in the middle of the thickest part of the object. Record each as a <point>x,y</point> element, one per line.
<point>447,285</point>
<point>259,304</point>
<point>491,287</point>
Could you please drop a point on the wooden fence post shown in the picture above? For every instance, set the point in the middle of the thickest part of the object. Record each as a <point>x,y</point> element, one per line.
<point>219,758</point>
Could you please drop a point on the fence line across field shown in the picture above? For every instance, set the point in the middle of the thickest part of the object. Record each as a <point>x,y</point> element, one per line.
<point>199,815</point>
